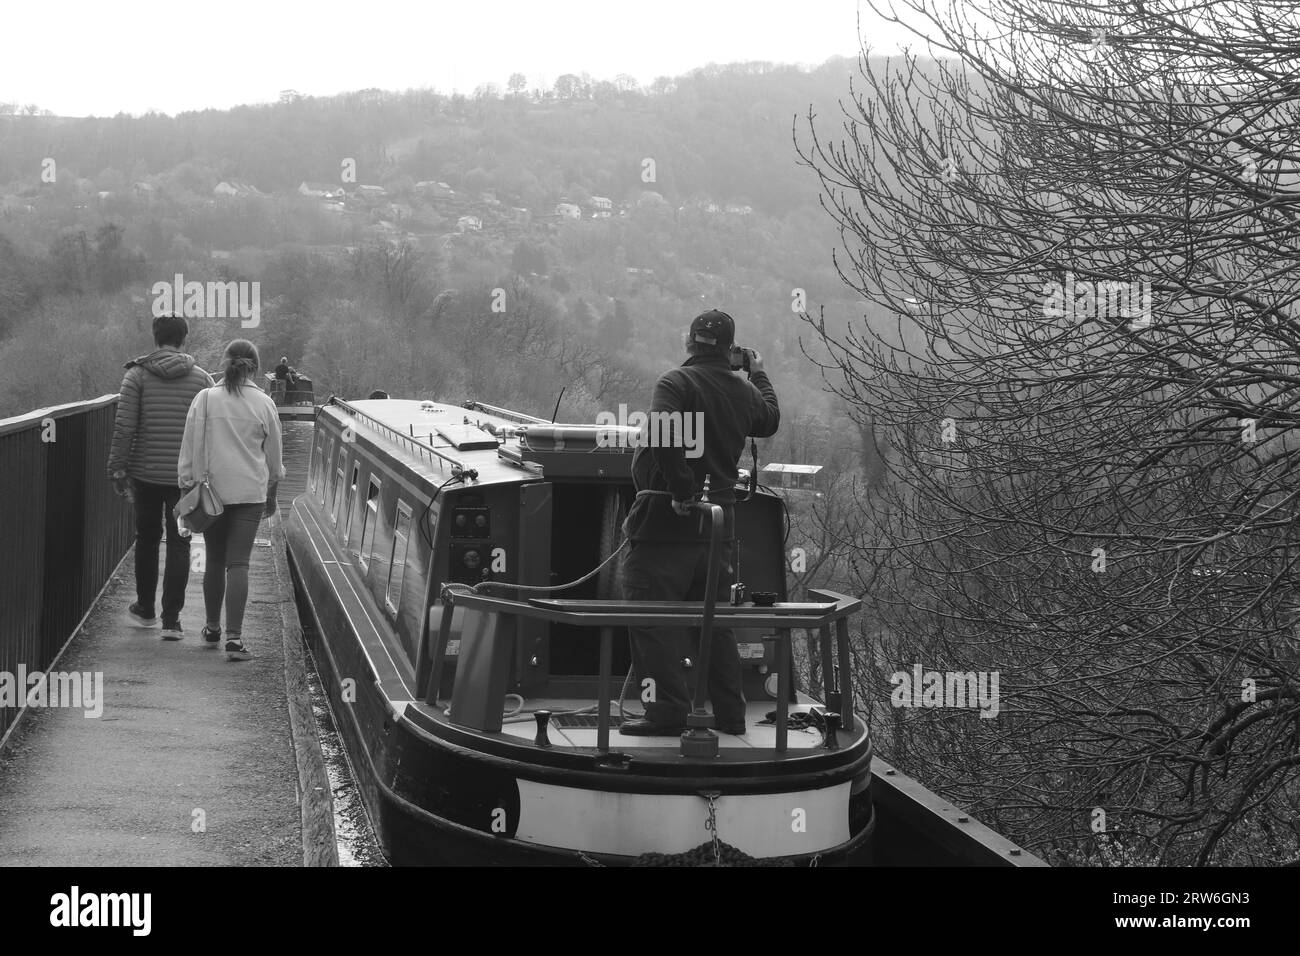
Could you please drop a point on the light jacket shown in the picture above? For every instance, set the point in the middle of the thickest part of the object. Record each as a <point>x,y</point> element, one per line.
<point>155,398</point>
<point>235,441</point>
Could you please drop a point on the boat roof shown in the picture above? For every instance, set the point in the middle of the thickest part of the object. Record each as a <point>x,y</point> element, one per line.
<point>425,436</point>
<point>438,439</point>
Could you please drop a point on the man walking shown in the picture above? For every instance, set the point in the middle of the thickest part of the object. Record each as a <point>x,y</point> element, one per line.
<point>668,552</point>
<point>155,398</point>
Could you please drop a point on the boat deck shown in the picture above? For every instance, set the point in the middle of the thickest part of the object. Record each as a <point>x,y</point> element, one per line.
<point>757,735</point>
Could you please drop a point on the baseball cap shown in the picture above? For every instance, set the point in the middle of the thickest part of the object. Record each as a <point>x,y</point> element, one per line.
<point>714,328</point>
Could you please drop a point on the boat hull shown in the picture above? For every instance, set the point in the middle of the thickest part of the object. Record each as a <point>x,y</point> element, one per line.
<point>296,413</point>
<point>431,795</point>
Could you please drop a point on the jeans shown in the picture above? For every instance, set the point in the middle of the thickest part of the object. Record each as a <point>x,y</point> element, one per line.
<point>153,506</point>
<point>677,571</point>
<point>229,542</point>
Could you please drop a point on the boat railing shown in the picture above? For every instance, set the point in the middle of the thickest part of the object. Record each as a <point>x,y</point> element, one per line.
<point>486,653</point>
<point>397,436</point>
<point>518,417</point>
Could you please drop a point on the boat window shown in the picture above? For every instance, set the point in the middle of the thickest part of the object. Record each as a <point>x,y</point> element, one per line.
<point>397,567</point>
<point>369,518</point>
<point>316,465</point>
<point>348,495</point>
<point>327,459</point>
<point>334,495</point>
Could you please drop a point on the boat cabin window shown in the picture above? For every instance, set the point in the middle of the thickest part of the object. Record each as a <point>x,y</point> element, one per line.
<point>369,518</point>
<point>317,466</point>
<point>334,494</point>
<point>348,495</point>
<point>397,567</point>
<point>327,459</point>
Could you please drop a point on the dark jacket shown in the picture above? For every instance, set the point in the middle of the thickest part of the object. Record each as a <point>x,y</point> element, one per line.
<point>156,394</point>
<point>732,409</point>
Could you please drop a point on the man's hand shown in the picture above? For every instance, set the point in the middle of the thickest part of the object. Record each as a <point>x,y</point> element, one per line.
<point>755,361</point>
<point>122,486</point>
<point>270,500</point>
<point>683,508</point>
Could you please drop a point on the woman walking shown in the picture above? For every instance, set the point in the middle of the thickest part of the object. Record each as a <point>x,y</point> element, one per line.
<point>232,438</point>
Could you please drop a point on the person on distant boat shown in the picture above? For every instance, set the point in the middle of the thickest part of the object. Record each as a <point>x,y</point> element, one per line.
<point>378,393</point>
<point>232,436</point>
<point>156,393</point>
<point>667,558</point>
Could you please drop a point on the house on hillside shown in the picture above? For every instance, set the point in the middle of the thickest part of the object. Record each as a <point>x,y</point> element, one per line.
<point>601,207</point>
<point>144,191</point>
<point>520,215</point>
<point>233,189</point>
<point>738,210</point>
<point>469,224</point>
<point>567,210</point>
<point>434,190</point>
<point>321,191</point>
<point>371,192</point>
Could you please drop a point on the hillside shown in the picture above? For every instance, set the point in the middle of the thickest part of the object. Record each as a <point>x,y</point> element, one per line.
<point>379,225</point>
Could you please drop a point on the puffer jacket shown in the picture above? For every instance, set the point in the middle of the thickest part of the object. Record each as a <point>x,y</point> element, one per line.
<point>156,394</point>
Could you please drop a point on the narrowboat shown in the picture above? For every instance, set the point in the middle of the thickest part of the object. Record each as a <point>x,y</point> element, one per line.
<point>294,400</point>
<point>479,701</point>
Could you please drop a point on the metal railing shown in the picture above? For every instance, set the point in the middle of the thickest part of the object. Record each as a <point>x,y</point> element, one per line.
<point>417,447</point>
<point>63,530</point>
<point>520,417</point>
<point>831,609</point>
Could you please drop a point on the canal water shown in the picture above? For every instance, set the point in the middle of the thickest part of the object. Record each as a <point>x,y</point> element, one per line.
<point>356,840</point>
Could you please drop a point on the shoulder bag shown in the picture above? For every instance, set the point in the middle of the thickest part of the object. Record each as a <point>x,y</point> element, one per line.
<point>200,506</point>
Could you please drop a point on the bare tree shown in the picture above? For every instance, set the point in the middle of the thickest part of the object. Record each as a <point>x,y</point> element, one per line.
<point>1079,241</point>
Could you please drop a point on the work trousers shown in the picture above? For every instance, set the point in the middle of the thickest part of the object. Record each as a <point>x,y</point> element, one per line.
<point>678,571</point>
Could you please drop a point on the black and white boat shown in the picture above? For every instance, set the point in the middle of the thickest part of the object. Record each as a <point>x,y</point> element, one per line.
<point>294,398</point>
<point>481,720</point>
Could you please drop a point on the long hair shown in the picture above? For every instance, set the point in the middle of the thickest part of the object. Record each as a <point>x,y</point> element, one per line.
<point>240,364</point>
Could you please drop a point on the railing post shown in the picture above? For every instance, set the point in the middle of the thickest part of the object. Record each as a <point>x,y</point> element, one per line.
<point>828,662</point>
<point>603,690</point>
<point>846,673</point>
<point>782,688</point>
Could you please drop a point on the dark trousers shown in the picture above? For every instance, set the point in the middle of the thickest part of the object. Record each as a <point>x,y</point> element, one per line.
<point>229,542</point>
<point>153,508</point>
<point>678,571</point>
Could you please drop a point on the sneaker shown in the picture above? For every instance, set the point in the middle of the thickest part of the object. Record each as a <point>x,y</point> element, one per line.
<point>236,651</point>
<point>135,614</point>
<point>211,635</point>
<point>172,631</point>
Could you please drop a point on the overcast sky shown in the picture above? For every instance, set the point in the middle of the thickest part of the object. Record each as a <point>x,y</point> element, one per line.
<point>79,58</point>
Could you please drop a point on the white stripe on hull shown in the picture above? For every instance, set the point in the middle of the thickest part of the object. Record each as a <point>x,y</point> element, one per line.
<point>762,824</point>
